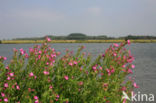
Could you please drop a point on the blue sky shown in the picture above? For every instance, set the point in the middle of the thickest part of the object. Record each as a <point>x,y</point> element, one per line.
<point>35,18</point>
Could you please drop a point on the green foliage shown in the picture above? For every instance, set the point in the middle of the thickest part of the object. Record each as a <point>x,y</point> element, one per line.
<point>40,77</point>
<point>81,36</point>
<point>76,36</point>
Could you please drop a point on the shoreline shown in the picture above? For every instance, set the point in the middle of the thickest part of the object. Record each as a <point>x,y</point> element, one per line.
<point>75,41</point>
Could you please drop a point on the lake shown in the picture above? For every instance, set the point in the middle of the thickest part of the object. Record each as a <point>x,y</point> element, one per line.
<point>144,53</point>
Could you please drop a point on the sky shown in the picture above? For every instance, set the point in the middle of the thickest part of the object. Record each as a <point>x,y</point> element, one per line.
<point>37,18</point>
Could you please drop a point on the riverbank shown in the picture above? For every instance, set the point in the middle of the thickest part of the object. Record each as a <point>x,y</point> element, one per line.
<point>74,41</point>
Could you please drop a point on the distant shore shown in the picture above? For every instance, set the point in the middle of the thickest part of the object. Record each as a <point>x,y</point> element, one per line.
<point>75,41</point>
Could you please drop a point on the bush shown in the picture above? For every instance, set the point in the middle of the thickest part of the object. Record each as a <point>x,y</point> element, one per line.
<point>42,77</point>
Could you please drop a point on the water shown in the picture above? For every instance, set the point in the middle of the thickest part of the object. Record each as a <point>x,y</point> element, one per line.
<point>144,53</point>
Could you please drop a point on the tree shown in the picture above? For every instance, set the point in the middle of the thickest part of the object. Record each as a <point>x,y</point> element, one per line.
<point>76,36</point>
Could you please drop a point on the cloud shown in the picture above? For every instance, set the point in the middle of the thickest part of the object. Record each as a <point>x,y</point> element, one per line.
<point>41,15</point>
<point>94,10</point>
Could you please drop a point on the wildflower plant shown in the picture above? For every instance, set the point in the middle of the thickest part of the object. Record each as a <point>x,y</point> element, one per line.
<point>39,76</point>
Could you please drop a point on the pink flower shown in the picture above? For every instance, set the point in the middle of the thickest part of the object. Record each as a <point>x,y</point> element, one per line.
<point>129,71</point>
<point>14,49</point>
<point>115,54</point>
<point>57,96</point>
<point>8,78</point>
<point>70,63</point>
<point>13,86</point>
<point>105,84</point>
<point>46,72</point>
<point>33,90</point>
<point>81,68</point>
<point>39,51</point>
<point>26,55</point>
<point>29,89</point>
<point>5,99</point>
<point>35,97</point>
<point>128,42</point>
<point>35,76</point>
<point>31,74</point>
<point>66,77</point>
<point>116,45</point>
<point>51,64</point>
<point>133,66</point>
<point>2,94</point>
<point>80,83</point>
<point>48,39</point>
<point>124,101</point>
<point>94,68</point>
<point>39,56</point>
<point>75,62</point>
<point>100,68</point>
<point>22,51</point>
<point>36,101</point>
<point>51,87</point>
<point>7,67</point>
<point>58,53</point>
<point>135,85</point>
<point>112,70</point>
<point>53,49</point>
<point>53,55</point>
<point>5,58</point>
<point>130,78</point>
<point>124,66</point>
<point>103,55</point>
<point>17,87</point>
<point>31,50</point>
<point>123,88</point>
<point>47,63</point>
<point>6,85</point>
<point>108,71</point>
<point>130,59</point>
<point>11,74</point>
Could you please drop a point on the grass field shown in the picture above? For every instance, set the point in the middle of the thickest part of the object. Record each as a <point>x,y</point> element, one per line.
<point>74,41</point>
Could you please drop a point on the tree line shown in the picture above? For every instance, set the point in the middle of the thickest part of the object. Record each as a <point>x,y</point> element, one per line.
<point>81,36</point>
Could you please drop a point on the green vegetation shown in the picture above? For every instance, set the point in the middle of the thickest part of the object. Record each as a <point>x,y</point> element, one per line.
<point>132,37</point>
<point>76,36</point>
<point>82,38</point>
<point>75,41</point>
<point>41,76</point>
